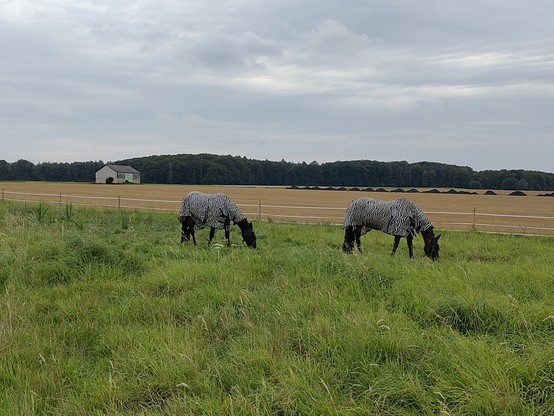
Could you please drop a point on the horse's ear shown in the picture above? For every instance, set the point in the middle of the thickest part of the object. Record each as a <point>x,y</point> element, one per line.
<point>437,237</point>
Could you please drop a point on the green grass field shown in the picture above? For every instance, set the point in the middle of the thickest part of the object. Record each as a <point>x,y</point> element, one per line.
<point>104,312</point>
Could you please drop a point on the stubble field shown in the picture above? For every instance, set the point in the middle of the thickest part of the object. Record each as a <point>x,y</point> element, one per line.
<point>531,214</point>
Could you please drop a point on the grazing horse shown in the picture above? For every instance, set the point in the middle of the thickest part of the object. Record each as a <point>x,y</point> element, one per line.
<point>400,218</point>
<point>216,211</point>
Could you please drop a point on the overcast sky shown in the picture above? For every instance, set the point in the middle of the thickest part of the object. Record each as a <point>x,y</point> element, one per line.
<point>463,82</point>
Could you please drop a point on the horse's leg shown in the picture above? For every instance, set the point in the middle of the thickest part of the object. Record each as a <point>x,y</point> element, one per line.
<point>358,234</point>
<point>183,231</point>
<point>410,247</point>
<point>212,232</point>
<point>227,232</point>
<point>396,242</point>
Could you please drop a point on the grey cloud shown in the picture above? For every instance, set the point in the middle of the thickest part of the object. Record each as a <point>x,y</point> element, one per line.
<point>226,52</point>
<point>316,80</point>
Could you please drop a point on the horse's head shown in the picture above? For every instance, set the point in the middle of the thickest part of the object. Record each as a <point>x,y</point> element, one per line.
<point>248,235</point>
<point>432,246</point>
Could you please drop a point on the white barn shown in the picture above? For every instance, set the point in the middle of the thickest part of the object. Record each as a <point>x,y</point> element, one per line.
<point>118,174</point>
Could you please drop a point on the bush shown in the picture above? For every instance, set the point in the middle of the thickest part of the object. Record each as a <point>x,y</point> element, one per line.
<point>474,184</point>
<point>509,183</point>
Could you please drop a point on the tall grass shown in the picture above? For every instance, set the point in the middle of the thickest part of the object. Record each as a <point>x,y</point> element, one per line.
<point>103,312</point>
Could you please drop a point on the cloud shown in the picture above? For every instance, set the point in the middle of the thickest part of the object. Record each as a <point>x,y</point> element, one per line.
<point>331,43</point>
<point>411,80</point>
<point>225,53</point>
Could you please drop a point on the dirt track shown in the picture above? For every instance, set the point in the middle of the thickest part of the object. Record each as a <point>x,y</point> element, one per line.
<point>450,211</point>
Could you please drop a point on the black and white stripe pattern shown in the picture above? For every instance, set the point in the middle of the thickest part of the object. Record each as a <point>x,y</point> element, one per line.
<point>215,210</point>
<point>399,217</point>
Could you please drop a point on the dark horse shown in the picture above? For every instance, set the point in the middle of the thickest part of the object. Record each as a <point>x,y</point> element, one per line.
<point>199,210</point>
<point>401,218</point>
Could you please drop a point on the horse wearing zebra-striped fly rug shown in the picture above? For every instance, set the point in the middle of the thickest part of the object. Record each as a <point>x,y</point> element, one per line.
<point>400,218</point>
<point>217,211</point>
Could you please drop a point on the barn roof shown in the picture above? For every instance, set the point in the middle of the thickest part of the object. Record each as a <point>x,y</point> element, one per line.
<point>123,169</point>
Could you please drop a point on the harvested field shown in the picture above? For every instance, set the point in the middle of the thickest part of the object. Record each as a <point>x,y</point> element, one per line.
<point>531,214</point>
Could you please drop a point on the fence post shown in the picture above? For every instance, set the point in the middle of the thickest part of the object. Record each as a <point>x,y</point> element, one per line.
<point>259,209</point>
<point>473,225</point>
<point>119,202</point>
<point>60,201</point>
<point>2,194</point>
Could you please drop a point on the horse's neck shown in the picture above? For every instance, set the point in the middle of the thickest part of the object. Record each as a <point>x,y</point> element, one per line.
<point>428,235</point>
<point>242,224</point>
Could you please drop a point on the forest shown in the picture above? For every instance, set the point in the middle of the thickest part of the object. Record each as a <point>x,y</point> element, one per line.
<point>209,169</point>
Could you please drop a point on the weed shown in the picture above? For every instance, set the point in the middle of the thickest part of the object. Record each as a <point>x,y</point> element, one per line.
<point>40,211</point>
<point>68,212</point>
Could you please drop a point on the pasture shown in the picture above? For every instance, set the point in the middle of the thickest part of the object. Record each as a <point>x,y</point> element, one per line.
<point>102,311</point>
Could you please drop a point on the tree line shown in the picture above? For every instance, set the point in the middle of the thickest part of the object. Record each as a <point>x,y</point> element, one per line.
<point>23,170</point>
<point>208,169</point>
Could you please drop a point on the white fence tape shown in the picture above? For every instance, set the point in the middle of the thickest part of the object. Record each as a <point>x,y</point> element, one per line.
<point>119,202</point>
